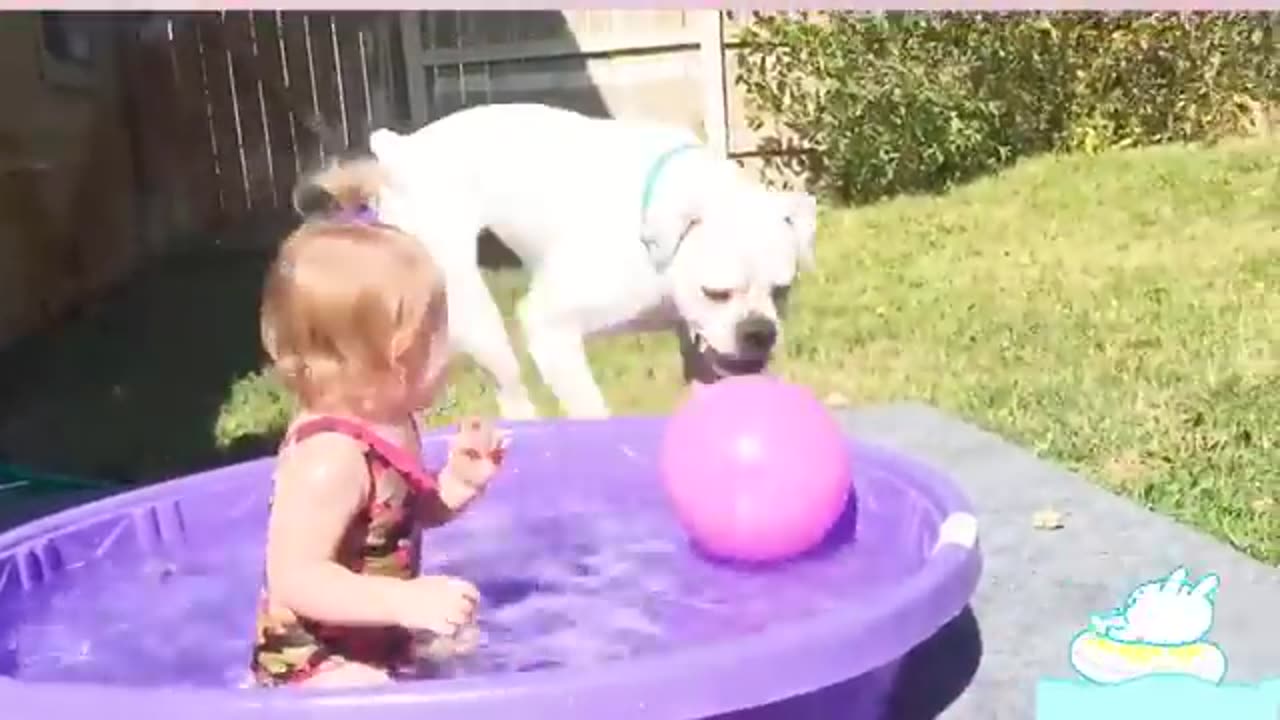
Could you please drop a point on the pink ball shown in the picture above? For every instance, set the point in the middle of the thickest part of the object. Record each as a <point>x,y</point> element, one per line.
<point>756,468</point>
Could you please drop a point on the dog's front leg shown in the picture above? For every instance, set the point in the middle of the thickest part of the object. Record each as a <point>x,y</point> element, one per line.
<point>561,358</point>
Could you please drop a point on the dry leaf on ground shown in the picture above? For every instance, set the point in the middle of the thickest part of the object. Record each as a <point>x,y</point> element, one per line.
<point>1047,519</point>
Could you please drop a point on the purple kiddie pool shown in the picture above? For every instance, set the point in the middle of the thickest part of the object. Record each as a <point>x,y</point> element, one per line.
<point>595,605</point>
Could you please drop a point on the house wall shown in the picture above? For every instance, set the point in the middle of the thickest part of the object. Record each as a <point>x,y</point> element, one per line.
<point>66,180</point>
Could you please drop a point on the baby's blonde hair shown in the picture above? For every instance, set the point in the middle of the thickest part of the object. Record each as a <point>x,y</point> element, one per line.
<point>347,296</point>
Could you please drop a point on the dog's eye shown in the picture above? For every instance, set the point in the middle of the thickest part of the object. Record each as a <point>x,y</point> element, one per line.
<point>716,296</point>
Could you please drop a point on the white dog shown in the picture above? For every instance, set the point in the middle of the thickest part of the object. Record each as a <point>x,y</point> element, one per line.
<point>624,227</point>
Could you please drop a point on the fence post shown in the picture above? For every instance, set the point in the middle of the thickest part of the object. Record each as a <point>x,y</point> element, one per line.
<point>381,76</point>
<point>715,96</point>
<point>415,70</point>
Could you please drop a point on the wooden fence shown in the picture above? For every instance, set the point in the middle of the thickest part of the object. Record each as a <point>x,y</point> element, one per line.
<point>208,118</point>
<point>224,107</point>
<point>224,103</point>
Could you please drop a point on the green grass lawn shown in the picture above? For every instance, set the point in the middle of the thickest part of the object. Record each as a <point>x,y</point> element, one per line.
<point>1118,314</point>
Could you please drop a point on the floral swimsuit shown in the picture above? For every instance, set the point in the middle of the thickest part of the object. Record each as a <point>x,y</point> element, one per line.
<point>380,541</point>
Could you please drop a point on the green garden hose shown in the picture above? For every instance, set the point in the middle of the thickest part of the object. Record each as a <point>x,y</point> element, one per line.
<point>18,478</point>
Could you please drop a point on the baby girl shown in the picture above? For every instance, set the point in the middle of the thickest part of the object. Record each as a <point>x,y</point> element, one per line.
<point>354,321</point>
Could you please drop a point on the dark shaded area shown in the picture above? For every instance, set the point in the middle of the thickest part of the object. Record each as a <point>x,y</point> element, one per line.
<point>919,687</point>
<point>938,671</point>
<point>491,253</point>
<point>128,388</point>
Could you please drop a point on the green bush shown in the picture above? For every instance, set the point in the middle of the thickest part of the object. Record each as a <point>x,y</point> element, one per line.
<point>903,102</point>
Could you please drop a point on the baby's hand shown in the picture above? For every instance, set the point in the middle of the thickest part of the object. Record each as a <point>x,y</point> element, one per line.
<point>475,454</point>
<point>437,603</point>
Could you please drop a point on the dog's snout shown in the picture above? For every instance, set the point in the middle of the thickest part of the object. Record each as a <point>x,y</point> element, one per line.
<point>756,334</point>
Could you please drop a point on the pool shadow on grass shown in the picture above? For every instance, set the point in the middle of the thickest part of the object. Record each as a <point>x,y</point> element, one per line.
<point>926,682</point>
<point>938,671</point>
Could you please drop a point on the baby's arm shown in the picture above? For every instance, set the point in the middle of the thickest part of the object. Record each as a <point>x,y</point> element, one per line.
<point>433,511</point>
<point>320,485</point>
<point>474,456</point>
<point>443,504</point>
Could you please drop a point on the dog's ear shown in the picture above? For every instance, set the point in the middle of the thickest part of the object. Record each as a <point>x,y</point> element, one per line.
<point>801,212</point>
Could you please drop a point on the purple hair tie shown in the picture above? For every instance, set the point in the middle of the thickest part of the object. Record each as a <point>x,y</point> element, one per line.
<point>364,215</point>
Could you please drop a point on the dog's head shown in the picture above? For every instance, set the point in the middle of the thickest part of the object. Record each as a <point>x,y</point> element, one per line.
<point>734,255</point>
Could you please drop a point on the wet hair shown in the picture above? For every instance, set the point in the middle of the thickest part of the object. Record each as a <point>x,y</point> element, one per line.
<point>348,298</point>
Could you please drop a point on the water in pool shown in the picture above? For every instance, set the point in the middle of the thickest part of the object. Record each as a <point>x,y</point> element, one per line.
<point>576,581</point>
